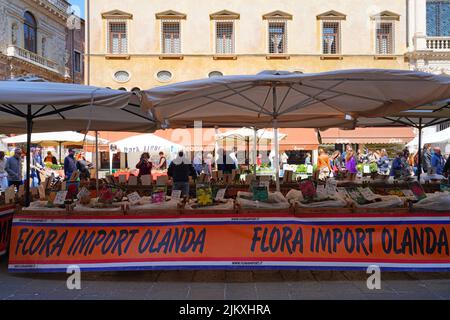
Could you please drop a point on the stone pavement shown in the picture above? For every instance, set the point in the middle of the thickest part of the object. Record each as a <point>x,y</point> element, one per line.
<point>229,285</point>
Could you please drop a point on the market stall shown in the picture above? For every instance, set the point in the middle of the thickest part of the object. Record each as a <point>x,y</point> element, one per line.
<point>237,221</point>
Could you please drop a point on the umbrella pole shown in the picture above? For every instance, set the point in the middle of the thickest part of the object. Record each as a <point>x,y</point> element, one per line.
<point>28,157</point>
<point>255,156</point>
<point>419,151</point>
<point>275,137</point>
<point>96,161</point>
<point>60,151</point>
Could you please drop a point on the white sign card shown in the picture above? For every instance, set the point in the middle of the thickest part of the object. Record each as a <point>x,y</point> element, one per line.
<point>132,180</point>
<point>368,194</point>
<point>220,194</point>
<point>330,187</point>
<point>176,194</point>
<point>10,195</point>
<point>366,168</point>
<point>84,192</point>
<point>320,190</point>
<point>409,194</point>
<point>122,178</point>
<point>60,197</point>
<point>41,191</point>
<point>309,169</point>
<point>134,198</point>
<point>21,190</point>
<point>146,180</point>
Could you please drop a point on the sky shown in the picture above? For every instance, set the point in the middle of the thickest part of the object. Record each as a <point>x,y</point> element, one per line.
<point>78,6</point>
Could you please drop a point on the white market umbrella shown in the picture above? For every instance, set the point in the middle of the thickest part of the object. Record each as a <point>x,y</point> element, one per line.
<point>150,143</point>
<point>67,137</point>
<point>27,106</point>
<point>56,138</point>
<point>284,99</point>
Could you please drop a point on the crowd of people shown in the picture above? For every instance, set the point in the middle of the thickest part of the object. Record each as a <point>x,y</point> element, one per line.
<point>13,168</point>
<point>404,164</point>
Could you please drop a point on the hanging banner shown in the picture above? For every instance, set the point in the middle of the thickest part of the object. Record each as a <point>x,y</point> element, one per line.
<point>413,242</point>
<point>6,217</point>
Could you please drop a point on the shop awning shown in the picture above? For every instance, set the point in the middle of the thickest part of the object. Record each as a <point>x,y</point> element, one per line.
<point>368,136</point>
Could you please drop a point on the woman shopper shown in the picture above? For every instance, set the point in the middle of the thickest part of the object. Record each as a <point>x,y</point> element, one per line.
<point>383,162</point>
<point>144,165</point>
<point>3,173</point>
<point>350,163</point>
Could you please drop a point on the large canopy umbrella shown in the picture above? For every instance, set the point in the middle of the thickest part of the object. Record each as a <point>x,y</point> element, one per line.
<point>46,106</point>
<point>284,99</point>
<point>56,138</point>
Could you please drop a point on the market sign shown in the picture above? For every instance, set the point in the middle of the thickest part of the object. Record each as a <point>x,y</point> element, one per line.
<point>6,217</point>
<point>414,242</point>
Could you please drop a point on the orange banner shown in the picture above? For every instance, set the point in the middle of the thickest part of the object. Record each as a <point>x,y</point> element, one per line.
<point>401,242</point>
<point>6,215</point>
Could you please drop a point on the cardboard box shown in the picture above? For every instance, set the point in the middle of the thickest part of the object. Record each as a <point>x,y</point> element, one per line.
<point>132,180</point>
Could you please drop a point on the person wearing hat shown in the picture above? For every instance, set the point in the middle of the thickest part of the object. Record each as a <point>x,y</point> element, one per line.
<point>70,164</point>
<point>14,168</point>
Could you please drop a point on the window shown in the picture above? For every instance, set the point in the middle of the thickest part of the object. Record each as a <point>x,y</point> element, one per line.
<point>77,61</point>
<point>171,37</point>
<point>384,38</point>
<point>164,76</point>
<point>331,37</point>
<point>121,76</point>
<point>443,126</point>
<point>214,74</point>
<point>30,33</point>
<point>224,37</point>
<point>438,18</point>
<point>14,33</point>
<point>44,47</point>
<point>118,40</point>
<point>277,37</point>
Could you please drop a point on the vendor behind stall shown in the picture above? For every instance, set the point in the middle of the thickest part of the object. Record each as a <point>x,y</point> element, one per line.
<point>162,165</point>
<point>83,166</point>
<point>50,158</point>
<point>144,165</point>
<point>70,164</point>
<point>179,170</point>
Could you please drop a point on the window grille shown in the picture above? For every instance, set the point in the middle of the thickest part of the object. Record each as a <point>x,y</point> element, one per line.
<point>331,37</point>
<point>171,40</point>
<point>384,38</point>
<point>277,37</point>
<point>224,37</point>
<point>117,37</point>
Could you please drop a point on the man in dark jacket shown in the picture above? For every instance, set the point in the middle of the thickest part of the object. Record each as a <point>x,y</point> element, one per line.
<point>426,158</point>
<point>70,164</point>
<point>446,169</point>
<point>179,170</point>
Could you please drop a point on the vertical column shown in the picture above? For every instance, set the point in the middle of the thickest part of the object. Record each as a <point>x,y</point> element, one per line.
<point>420,24</point>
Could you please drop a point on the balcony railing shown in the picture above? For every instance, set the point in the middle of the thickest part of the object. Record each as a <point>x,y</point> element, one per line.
<point>438,43</point>
<point>14,51</point>
<point>60,4</point>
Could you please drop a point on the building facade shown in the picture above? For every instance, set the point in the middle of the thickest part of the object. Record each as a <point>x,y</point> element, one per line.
<point>142,44</point>
<point>33,39</point>
<point>429,51</point>
<point>75,44</point>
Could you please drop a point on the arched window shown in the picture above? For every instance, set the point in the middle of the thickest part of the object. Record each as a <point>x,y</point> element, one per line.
<point>30,32</point>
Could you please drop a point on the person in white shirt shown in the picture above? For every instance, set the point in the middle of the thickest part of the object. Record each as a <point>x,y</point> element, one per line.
<point>3,173</point>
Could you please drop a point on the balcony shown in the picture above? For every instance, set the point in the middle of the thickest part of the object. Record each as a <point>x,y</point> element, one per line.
<point>438,43</point>
<point>62,5</point>
<point>31,57</point>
